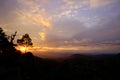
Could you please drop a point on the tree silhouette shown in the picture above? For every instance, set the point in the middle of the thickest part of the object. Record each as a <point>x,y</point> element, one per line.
<point>11,38</point>
<point>3,41</point>
<point>6,42</point>
<point>26,41</point>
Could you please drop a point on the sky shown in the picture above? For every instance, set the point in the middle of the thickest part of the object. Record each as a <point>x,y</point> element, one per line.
<point>64,26</point>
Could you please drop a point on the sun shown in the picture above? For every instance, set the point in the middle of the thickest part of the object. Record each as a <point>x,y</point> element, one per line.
<point>22,49</point>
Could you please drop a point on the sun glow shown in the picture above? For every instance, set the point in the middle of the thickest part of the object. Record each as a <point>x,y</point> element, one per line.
<point>42,35</point>
<point>22,49</point>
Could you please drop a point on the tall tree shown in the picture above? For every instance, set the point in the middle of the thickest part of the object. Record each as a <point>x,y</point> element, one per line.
<point>25,41</point>
<point>6,42</point>
<point>3,41</point>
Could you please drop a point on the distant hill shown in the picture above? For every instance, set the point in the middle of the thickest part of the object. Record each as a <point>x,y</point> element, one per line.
<point>74,67</point>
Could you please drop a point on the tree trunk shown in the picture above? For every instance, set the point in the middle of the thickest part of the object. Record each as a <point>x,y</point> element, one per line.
<point>25,49</point>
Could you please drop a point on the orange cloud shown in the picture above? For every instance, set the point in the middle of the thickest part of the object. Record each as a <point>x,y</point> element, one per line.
<point>77,49</point>
<point>42,35</point>
<point>33,14</point>
<point>36,19</point>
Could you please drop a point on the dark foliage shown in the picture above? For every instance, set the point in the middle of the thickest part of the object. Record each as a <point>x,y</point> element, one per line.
<point>25,41</point>
<point>6,43</point>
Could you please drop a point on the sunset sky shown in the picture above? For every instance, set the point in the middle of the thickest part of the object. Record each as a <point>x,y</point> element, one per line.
<point>84,26</point>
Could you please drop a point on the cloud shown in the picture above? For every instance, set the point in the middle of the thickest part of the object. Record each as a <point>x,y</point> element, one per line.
<point>68,8</point>
<point>42,36</point>
<point>24,13</point>
<point>98,39</point>
<point>33,18</point>
<point>30,5</point>
<point>7,11</point>
<point>24,16</point>
<point>7,6</point>
<point>101,48</point>
<point>73,33</point>
<point>34,13</point>
<point>99,3</point>
<point>64,31</point>
<point>64,24</point>
<point>107,30</point>
<point>74,4</point>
